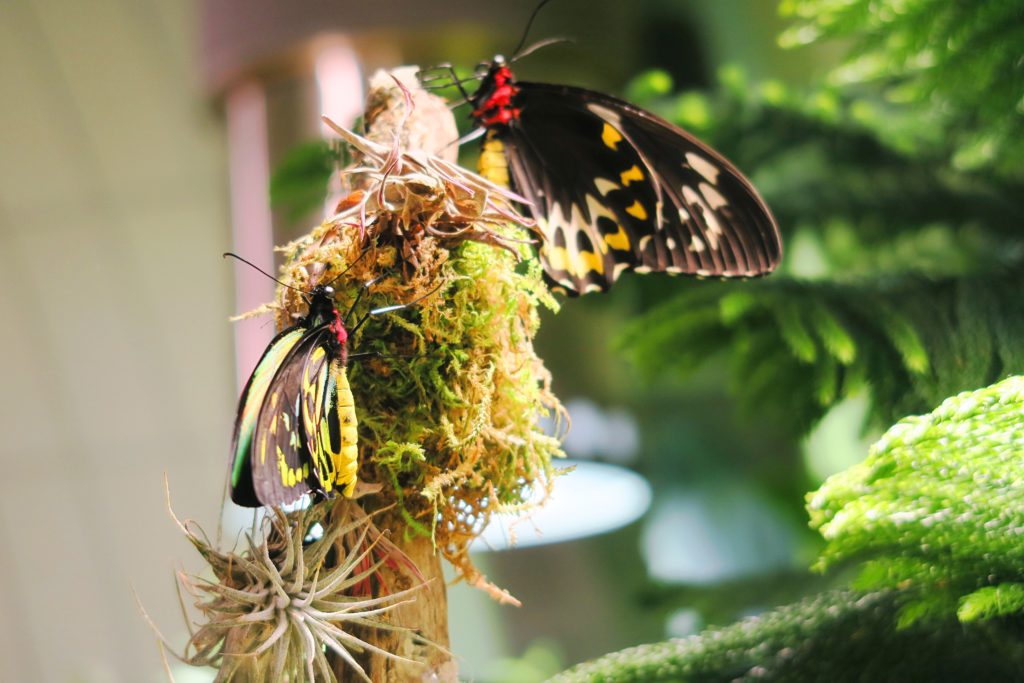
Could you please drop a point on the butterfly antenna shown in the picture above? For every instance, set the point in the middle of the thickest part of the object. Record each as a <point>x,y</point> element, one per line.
<point>255,267</point>
<point>526,32</point>
<point>527,51</point>
<point>349,266</point>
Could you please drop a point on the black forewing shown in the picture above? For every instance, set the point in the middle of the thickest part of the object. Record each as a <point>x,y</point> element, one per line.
<point>615,187</point>
<point>249,405</point>
<point>282,467</point>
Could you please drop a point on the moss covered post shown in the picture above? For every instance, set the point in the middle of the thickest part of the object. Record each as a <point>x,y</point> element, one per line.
<point>448,391</point>
<point>430,266</point>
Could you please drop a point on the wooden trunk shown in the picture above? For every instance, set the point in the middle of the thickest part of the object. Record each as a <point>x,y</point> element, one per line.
<point>426,614</point>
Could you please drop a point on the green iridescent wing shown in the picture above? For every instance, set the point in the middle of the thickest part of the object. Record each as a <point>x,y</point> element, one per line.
<point>266,423</point>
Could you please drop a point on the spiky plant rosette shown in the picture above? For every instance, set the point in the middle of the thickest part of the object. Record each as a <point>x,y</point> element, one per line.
<point>278,606</point>
<point>449,402</point>
<point>402,197</point>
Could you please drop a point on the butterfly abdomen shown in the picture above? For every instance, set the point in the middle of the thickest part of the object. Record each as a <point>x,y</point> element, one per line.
<point>493,163</point>
<point>347,458</point>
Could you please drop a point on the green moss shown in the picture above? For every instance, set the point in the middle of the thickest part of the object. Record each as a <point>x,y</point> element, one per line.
<point>448,410</point>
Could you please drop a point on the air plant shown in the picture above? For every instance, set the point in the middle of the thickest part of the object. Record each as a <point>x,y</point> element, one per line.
<point>278,606</point>
<point>406,195</point>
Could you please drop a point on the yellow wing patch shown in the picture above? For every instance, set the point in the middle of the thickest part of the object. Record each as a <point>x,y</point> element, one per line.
<point>610,137</point>
<point>577,265</point>
<point>637,210</point>
<point>291,476</point>
<point>618,240</point>
<point>631,174</point>
<point>588,260</point>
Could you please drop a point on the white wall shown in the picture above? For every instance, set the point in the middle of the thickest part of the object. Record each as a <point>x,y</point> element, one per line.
<point>114,342</point>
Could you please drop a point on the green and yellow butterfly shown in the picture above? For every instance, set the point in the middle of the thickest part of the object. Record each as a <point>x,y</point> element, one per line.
<point>296,429</point>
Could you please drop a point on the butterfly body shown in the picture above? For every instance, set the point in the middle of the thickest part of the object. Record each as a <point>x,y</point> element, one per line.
<point>614,187</point>
<point>295,432</point>
<point>493,104</point>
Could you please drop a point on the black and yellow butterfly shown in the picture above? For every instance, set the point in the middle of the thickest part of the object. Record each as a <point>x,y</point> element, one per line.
<point>614,187</point>
<point>296,430</point>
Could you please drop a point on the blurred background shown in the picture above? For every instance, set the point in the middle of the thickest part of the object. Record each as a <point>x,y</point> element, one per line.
<point>137,143</point>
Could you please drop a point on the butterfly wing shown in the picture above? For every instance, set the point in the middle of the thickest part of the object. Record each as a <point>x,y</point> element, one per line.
<point>249,405</point>
<point>272,461</point>
<point>615,187</point>
<point>329,420</point>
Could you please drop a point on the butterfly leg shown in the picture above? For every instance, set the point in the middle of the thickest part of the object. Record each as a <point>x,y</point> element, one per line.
<point>431,82</point>
<point>392,309</point>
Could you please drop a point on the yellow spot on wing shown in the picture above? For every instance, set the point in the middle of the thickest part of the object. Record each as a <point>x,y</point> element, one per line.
<point>610,136</point>
<point>587,261</point>
<point>630,175</point>
<point>618,240</point>
<point>577,265</point>
<point>557,257</point>
<point>637,210</point>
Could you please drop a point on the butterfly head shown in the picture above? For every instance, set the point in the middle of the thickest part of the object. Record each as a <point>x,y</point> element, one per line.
<point>322,310</point>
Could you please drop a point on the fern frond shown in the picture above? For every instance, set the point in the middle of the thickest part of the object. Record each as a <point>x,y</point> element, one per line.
<point>958,60</point>
<point>799,347</point>
<point>938,507</point>
<point>839,636</point>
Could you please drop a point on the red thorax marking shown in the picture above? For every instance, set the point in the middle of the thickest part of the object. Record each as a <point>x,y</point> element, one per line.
<point>338,329</point>
<point>497,109</point>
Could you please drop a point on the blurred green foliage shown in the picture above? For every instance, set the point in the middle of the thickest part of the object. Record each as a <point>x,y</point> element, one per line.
<point>797,347</point>
<point>541,659</point>
<point>956,62</point>
<point>298,184</point>
<point>934,514</point>
<point>898,184</point>
<point>902,273</point>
